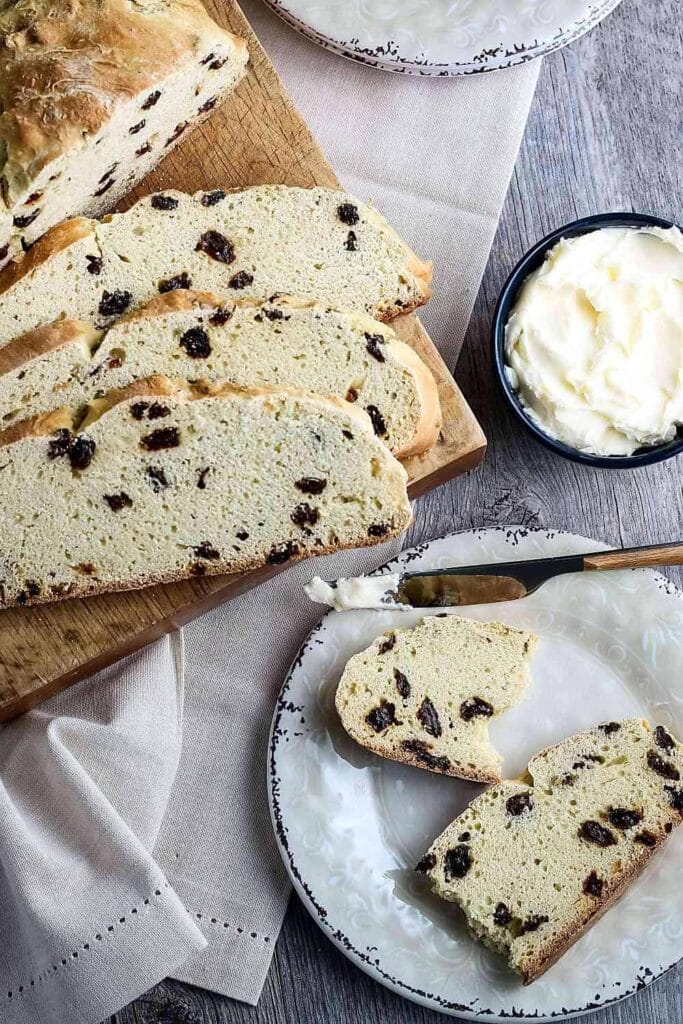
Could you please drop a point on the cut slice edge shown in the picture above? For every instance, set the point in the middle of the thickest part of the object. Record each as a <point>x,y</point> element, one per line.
<point>269,402</point>
<point>536,782</point>
<point>20,354</point>
<point>161,386</point>
<point>61,236</point>
<point>386,704</point>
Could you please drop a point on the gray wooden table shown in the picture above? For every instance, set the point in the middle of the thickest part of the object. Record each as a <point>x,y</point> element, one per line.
<point>604,134</point>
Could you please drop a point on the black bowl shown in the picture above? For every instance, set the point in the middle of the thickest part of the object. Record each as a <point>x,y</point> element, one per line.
<point>533,259</point>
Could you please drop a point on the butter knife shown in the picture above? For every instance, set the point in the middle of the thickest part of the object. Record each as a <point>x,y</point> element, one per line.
<point>500,581</point>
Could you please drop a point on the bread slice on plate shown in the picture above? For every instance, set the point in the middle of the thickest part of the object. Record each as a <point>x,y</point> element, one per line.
<point>425,695</point>
<point>164,481</point>
<point>533,863</point>
<point>315,243</point>
<point>93,95</point>
<point>286,342</point>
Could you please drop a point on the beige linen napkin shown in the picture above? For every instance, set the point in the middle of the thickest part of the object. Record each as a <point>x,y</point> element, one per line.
<point>86,915</point>
<point>123,859</point>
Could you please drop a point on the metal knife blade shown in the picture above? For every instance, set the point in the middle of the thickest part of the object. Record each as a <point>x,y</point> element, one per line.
<point>445,590</point>
<point>481,584</point>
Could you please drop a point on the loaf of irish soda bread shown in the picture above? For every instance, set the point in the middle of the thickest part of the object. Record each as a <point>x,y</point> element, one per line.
<point>534,863</point>
<point>315,243</point>
<point>426,695</point>
<point>93,93</point>
<point>286,342</point>
<point>165,481</point>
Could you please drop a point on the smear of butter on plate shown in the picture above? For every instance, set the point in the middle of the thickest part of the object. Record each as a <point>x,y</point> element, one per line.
<point>358,592</point>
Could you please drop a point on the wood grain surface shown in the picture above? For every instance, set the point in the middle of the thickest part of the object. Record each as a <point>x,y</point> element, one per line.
<point>255,137</point>
<point>636,558</point>
<point>604,134</point>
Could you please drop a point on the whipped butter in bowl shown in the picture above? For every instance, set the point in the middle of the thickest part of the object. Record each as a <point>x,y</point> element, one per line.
<point>589,340</point>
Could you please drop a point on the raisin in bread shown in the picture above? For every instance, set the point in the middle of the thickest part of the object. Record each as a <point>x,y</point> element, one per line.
<point>534,863</point>
<point>425,695</point>
<point>93,94</point>
<point>165,480</point>
<point>286,342</point>
<point>315,243</point>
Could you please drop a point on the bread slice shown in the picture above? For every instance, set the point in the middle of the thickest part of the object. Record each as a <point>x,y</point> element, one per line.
<point>315,243</point>
<point>536,862</point>
<point>286,342</point>
<point>93,94</point>
<point>163,481</point>
<point>425,695</point>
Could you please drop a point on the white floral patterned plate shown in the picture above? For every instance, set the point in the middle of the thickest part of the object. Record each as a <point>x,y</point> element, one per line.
<point>442,37</point>
<point>351,826</point>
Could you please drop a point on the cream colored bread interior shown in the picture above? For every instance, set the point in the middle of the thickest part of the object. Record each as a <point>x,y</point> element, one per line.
<point>532,863</point>
<point>426,695</point>
<point>315,243</point>
<point>285,342</point>
<point>164,482</point>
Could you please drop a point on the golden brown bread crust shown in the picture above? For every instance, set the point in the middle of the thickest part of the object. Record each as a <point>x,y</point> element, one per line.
<point>160,386</point>
<point>182,300</point>
<point>431,419</point>
<point>47,423</point>
<point>46,339</point>
<point>455,771</point>
<point>49,337</point>
<point>423,271</point>
<point>60,237</point>
<point>156,386</point>
<point>65,64</point>
<point>40,426</point>
<point>385,316</point>
<point>534,967</point>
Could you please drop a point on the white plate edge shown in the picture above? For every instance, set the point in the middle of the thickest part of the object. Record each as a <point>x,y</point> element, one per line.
<point>319,915</point>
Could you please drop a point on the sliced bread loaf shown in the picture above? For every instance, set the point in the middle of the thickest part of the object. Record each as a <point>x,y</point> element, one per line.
<point>286,342</point>
<point>93,94</point>
<point>425,695</point>
<point>164,481</point>
<point>314,243</point>
<point>534,863</point>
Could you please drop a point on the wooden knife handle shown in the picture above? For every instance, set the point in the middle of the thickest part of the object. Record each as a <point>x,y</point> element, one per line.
<point>636,558</point>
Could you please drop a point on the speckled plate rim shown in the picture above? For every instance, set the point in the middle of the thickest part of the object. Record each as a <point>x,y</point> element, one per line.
<point>310,900</point>
<point>488,60</point>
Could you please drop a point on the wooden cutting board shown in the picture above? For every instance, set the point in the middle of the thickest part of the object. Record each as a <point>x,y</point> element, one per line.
<point>255,137</point>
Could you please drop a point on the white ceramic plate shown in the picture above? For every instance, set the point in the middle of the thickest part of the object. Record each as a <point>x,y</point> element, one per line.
<point>442,37</point>
<point>351,826</point>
